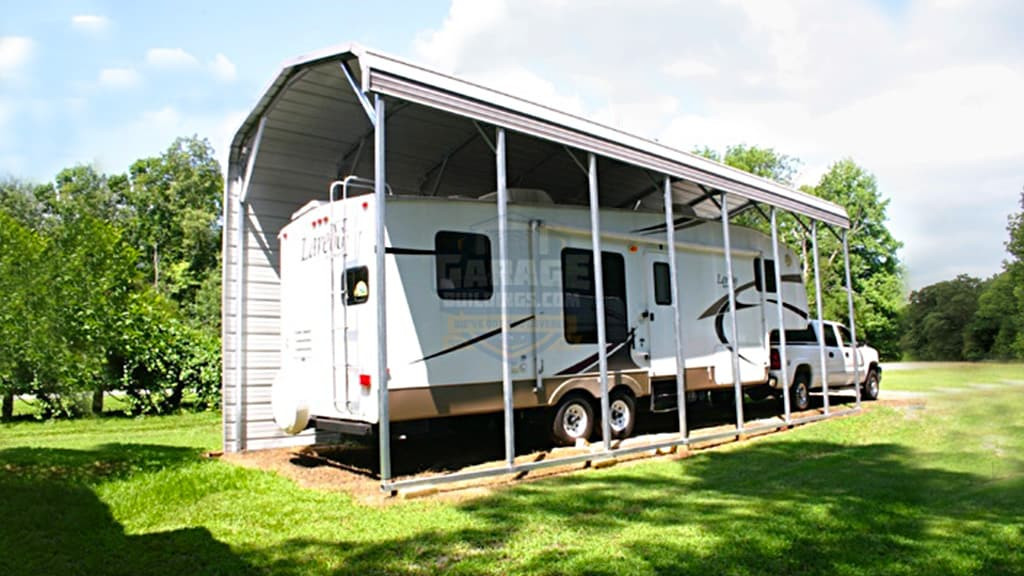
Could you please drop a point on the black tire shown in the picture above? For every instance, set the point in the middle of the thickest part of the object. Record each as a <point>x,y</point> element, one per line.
<point>869,391</point>
<point>800,393</point>
<point>574,420</point>
<point>622,413</point>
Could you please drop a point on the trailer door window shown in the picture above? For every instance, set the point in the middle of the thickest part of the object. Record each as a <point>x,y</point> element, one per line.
<point>357,285</point>
<point>764,278</point>
<point>463,266</point>
<point>578,304</point>
<point>662,285</point>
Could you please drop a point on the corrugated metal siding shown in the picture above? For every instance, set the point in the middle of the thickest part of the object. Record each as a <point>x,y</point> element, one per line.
<point>297,159</point>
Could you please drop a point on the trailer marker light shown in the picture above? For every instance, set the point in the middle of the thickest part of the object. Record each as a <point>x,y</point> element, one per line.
<point>366,205</point>
<point>364,380</point>
<point>633,249</point>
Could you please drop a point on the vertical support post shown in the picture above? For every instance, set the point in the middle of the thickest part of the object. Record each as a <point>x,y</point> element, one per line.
<point>857,358</point>
<point>380,196</point>
<point>602,343</point>
<point>506,374</point>
<point>731,283</point>
<point>818,305</point>
<point>677,322</point>
<point>780,308</point>
<point>240,210</point>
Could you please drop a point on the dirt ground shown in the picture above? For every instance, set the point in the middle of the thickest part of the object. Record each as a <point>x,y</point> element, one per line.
<point>479,444</point>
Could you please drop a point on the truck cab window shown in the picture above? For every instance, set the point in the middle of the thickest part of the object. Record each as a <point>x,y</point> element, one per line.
<point>844,333</point>
<point>830,336</point>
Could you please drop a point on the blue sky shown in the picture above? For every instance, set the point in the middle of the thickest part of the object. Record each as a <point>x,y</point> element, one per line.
<point>108,82</point>
<point>925,94</point>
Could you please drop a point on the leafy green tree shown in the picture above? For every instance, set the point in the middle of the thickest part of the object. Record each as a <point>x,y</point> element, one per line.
<point>20,250</point>
<point>997,330</point>
<point>937,317</point>
<point>875,269</point>
<point>174,201</point>
<point>993,330</point>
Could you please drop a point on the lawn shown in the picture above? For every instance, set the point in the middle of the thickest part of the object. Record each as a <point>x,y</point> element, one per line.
<point>911,488</point>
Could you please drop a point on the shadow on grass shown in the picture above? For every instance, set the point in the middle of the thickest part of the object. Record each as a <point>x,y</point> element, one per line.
<point>462,442</point>
<point>52,522</point>
<point>770,508</point>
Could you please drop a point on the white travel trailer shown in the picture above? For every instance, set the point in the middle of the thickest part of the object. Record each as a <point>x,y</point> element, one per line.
<point>444,316</point>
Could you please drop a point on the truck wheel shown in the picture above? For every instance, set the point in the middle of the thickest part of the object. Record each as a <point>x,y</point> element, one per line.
<point>574,420</point>
<point>871,385</point>
<point>621,414</point>
<point>800,393</point>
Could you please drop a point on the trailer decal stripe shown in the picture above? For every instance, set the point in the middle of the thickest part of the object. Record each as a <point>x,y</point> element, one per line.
<point>473,340</point>
<point>409,251</point>
<point>589,361</point>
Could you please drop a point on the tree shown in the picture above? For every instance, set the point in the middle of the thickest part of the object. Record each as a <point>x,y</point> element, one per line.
<point>993,330</point>
<point>997,330</point>
<point>875,269</point>
<point>937,317</point>
<point>20,248</point>
<point>174,201</point>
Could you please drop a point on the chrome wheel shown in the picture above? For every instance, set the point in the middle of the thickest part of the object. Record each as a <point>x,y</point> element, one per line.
<point>620,415</point>
<point>575,421</point>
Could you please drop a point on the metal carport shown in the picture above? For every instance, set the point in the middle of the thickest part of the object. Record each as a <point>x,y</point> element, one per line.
<point>325,116</point>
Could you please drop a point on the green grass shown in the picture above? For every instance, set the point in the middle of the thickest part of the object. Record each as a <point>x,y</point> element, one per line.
<point>951,375</point>
<point>897,490</point>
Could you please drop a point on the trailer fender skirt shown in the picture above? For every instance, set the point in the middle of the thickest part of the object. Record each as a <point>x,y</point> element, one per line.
<point>289,404</point>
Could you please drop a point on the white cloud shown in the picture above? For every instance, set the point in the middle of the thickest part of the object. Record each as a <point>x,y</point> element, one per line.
<point>931,106</point>
<point>149,134</point>
<point>15,52</point>
<point>170,58</point>
<point>92,23</point>
<point>690,68</point>
<point>119,77</point>
<point>223,68</point>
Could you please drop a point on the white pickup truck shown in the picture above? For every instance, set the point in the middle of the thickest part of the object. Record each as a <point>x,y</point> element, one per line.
<point>803,363</point>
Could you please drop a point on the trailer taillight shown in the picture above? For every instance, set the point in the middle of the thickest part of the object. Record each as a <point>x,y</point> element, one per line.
<point>776,361</point>
<point>364,380</point>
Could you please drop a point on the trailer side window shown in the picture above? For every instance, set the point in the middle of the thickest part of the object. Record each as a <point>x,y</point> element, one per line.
<point>578,304</point>
<point>764,278</point>
<point>357,285</point>
<point>662,285</point>
<point>463,266</point>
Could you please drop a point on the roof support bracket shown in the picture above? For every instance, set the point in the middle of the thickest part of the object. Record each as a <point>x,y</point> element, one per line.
<point>360,95</point>
<point>487,139</point>
<point>576,161</point>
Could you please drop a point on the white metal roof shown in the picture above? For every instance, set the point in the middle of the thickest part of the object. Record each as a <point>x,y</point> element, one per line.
<point>317,120</point>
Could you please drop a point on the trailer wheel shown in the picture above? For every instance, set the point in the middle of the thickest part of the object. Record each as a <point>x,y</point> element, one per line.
<point>574,420</point>
<point>871,385</point>
<point>800,393</point>
<point>621,414</point>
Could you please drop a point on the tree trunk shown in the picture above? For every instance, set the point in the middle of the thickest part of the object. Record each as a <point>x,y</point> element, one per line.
<point>7,412</point>
<point>97,402</point>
